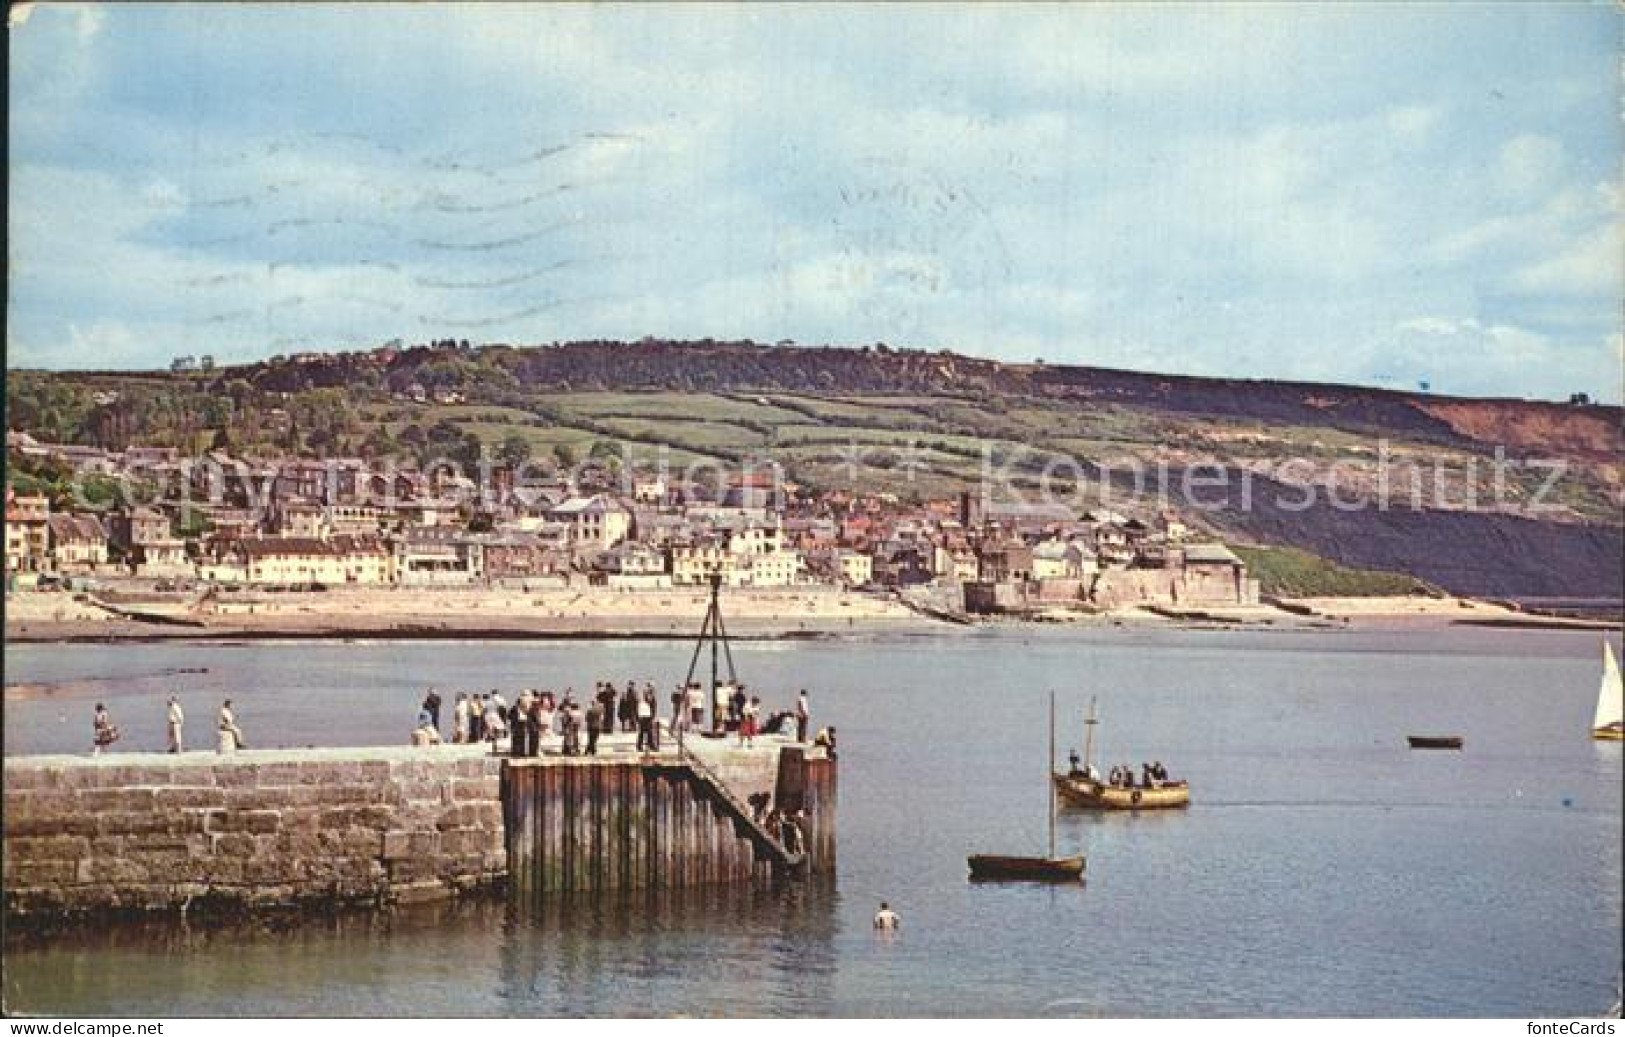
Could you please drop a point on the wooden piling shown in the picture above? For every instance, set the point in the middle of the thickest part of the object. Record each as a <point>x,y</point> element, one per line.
<point>594,823</point>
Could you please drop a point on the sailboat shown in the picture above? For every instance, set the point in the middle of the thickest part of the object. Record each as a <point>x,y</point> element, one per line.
<point>1083,788</point>
<point>1609,723</point>
<point>985,866</point>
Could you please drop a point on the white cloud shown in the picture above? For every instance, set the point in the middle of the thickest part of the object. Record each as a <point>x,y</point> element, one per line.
<point>1590,265</point>
<point>1528,163</point>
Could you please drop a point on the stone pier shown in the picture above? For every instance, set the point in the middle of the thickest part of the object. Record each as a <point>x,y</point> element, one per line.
<point>127,832</point>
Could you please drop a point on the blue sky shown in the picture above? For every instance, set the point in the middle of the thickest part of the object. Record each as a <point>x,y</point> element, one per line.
<point>1384,194</point>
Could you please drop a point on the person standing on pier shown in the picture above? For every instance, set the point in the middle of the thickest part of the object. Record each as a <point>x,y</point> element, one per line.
<point>606,710</point>
<point>459,720</point>
<point>231,736</point>
<point>104,732</point>
<point>803,714</point>
<point>747,721</point>
<point>696,706</point>
<point>476,718</point>
<point>646,724</point>
<point>176,722</point>
<point>426,733</point>
<point>825,740</point>
<point>544,711</point>
<point>570,726</point>
<point>431,706</point>
<point>519,724</point>
<point>595,723</point>
<point>627,712</point>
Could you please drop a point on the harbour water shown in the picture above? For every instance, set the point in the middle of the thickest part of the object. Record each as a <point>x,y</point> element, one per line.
<point>1324,868</point>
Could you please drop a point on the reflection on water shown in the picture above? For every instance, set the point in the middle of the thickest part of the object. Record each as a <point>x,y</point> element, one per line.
<point>749,951</point>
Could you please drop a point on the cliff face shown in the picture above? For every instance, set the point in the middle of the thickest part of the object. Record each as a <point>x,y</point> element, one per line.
<point>1535,428</point>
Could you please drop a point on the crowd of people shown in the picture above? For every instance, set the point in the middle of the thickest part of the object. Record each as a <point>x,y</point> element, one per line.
<point>1152,775</point>
<point>535,718</point>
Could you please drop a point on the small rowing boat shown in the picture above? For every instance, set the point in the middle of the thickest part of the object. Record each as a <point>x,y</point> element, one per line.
<point>1434,741</point>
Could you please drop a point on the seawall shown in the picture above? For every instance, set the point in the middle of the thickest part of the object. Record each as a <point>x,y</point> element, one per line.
<point>137,833</point>
<point>144,832</point>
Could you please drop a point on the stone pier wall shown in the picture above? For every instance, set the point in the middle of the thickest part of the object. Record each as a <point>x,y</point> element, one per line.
<point>129,832</point>
<point>146,832</point>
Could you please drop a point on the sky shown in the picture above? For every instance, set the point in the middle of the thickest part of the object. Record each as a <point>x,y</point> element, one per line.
<point>1395,195</point>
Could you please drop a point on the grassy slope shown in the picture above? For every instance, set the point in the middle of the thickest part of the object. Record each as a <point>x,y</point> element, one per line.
<point>1289,572</point>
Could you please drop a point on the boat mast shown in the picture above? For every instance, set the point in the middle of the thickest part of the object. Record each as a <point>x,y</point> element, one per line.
<point>1049,775</point>
<point>1089,735</point>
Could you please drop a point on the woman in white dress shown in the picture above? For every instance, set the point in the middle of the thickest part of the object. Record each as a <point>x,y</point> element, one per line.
<point>231,736</point>
<point>459,720</point>
<point>545,708</point>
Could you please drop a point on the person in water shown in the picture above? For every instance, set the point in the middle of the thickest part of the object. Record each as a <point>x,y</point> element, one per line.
<point>886,918</point>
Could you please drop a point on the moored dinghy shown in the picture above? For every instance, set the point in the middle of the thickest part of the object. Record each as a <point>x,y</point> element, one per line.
<point>1434,741</point>
<point>996,867</point>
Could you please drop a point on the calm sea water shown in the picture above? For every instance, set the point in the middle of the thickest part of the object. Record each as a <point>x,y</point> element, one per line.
<point>1324,868</point>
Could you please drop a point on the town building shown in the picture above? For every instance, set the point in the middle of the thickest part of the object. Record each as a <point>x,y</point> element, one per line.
<point>304,561</point>
<point>28,538</point>
<point>78,542</point>
<point>599,522</point>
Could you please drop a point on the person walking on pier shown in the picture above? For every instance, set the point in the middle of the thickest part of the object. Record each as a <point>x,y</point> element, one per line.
<point>431,706</point>
<point>803,714</point>
<point>104,732</point>
<point>231,736</point>
<point>176,723</point>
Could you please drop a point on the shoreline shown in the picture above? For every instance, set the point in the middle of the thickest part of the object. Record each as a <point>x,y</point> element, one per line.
<point>88,625</point>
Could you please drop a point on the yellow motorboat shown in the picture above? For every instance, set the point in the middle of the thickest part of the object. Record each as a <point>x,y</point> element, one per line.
<point>1082,787</point>
<point>1080,791</point>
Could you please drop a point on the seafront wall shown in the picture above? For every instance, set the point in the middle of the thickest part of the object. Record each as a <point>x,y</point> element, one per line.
<point>145,832</point>
<point>200,831</point>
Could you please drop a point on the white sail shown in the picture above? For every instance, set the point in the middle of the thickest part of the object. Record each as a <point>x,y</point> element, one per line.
<point>1611,696</point>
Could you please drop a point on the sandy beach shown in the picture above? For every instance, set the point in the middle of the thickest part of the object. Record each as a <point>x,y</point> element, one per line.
<point>461,613</point>
<point>464,613</point>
